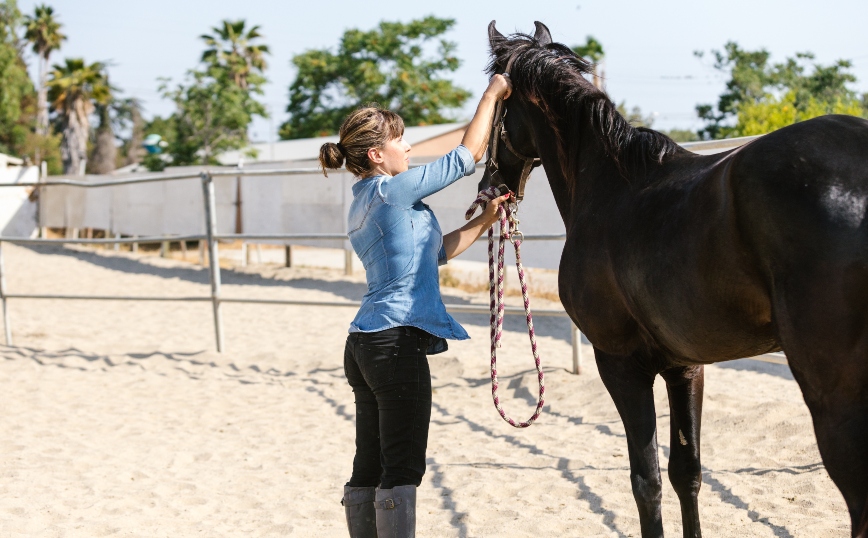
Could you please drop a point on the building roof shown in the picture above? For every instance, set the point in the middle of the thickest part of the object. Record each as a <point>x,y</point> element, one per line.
<point>303,149</point>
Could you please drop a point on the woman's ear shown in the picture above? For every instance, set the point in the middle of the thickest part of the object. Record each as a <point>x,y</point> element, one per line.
<point>375,156</point>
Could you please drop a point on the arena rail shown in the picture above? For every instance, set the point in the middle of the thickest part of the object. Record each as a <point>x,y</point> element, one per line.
<point>212,238</point>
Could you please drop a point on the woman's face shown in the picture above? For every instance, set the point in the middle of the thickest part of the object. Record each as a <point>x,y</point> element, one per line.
<point>392,159</point>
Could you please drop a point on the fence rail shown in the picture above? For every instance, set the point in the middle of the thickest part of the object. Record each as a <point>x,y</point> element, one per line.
<point>213,238</point>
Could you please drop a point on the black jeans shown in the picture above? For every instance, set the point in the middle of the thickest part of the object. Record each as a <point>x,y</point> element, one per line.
<point>388,371</point>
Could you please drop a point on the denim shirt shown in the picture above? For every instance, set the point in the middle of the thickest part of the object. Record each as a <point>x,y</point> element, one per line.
<point>400,243</point>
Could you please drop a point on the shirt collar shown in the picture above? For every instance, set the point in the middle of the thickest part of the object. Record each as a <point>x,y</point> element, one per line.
<point>362,183</point>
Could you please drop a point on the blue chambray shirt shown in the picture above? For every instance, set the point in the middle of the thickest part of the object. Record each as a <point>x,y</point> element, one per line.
<point>400,243</point>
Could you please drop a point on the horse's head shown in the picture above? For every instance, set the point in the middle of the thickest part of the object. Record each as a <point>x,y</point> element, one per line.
<point>511,150</point>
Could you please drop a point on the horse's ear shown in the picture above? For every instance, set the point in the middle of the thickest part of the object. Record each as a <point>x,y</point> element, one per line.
<point>493,34</point>
<point>542,34</point>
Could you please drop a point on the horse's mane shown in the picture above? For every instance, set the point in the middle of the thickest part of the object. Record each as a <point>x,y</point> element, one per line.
<point>551,76</point>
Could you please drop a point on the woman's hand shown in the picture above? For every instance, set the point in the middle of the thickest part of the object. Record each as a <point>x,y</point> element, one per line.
<point>490,213</point>
<point>476,136</point>
<point>499,87</point>
<point>457,242</point>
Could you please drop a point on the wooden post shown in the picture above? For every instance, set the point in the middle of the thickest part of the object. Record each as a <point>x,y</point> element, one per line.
<point>184,250</point>
<point>348,262</point>
<point>288,255</point>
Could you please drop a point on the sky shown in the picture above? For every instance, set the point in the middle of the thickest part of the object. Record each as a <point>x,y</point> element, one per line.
<point>649,45</point>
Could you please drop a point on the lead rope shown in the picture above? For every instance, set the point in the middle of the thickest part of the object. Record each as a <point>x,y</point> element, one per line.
<point>508,230</point>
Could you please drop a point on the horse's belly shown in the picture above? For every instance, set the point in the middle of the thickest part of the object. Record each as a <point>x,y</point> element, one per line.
<point>711,320</point>
<point>689,322</point>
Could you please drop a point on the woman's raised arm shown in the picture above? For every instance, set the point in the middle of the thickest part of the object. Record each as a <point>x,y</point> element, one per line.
<point>476,136</point>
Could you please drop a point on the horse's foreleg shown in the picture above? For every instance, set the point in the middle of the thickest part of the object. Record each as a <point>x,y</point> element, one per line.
<point>684,386</point>
<point>631,387</point>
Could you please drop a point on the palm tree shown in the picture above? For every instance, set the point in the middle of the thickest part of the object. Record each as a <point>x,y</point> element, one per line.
<point>74,89</point>
<point>230,49</point>
<point>116,115</point>
<point>43,30</point>
<point>128,114</point>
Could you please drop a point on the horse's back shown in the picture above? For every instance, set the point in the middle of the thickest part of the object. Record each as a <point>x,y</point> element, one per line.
<point>805,186</point>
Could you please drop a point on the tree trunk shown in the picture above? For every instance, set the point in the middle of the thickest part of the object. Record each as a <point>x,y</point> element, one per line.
<point>135,151</point>
<point>105,153</point>
<point>42,105</point>
<point>73,146</point>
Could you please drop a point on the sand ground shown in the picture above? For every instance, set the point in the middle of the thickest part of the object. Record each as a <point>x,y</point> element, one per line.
<point>120,419</point>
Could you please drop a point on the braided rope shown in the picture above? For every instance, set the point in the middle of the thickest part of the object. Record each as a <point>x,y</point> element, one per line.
<point>508,231</point>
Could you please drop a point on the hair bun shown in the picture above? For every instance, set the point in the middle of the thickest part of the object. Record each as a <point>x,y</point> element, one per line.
<point>331,156</point>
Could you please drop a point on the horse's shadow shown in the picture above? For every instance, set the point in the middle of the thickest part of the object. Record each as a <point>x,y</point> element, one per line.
<point>554,327</point>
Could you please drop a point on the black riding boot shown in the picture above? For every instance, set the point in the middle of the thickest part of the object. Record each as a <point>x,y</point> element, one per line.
<point>396,512</point>
<point>359,508</point>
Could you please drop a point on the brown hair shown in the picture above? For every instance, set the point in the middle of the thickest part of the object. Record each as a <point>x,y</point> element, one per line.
<point>365,128</point>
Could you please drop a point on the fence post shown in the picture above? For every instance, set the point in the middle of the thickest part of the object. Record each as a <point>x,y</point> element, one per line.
<point>348,262</point>
<point>213,256</point>
<point>577,348</point>
<point>6,326</point>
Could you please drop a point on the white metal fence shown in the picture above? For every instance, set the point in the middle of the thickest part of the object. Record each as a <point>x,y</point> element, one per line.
<point>212,238</point>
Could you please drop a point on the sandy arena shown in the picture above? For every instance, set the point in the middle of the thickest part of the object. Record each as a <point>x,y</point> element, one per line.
<point>119,419</point>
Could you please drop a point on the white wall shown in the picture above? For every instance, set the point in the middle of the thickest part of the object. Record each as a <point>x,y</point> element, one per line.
<point>17,212</point>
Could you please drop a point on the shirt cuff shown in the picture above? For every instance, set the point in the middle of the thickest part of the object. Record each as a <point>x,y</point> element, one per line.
<point>441,256</point>
<point>467,159</point>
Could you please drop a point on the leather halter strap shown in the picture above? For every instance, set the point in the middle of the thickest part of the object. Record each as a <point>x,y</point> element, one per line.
<point>500,133</point>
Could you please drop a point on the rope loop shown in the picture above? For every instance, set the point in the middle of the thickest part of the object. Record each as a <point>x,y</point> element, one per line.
<point>508,231</point>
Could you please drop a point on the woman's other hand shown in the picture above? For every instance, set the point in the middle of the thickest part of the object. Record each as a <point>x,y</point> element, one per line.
<point>500,87</point>
<point>490,213</point>
<point>457,242</point>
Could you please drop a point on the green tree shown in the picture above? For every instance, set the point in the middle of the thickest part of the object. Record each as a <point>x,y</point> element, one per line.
<point>772,113</point>
<point>42,29</point>
<point>216,104</point>
<point>682,135</point>
<point>74,89</point>
<point>634,116</point>
<point>758,92</point>
<point>17,95</point>
<point>592,50</point>
<point>232,50</point>
<point>386,65</point>
<point>211,116</point>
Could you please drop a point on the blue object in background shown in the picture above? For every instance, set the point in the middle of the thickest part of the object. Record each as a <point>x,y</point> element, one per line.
<point>154,144</point>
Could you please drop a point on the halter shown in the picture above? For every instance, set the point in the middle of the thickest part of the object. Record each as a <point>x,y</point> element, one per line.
<point>500,132</point>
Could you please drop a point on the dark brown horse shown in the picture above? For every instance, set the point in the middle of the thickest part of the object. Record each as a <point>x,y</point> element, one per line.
<point>674,260</point>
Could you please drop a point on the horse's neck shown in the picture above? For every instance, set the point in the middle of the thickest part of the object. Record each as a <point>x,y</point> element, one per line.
<point>579,173</point>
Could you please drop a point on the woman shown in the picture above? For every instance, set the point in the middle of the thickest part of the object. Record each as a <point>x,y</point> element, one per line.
<point>402,318</point>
